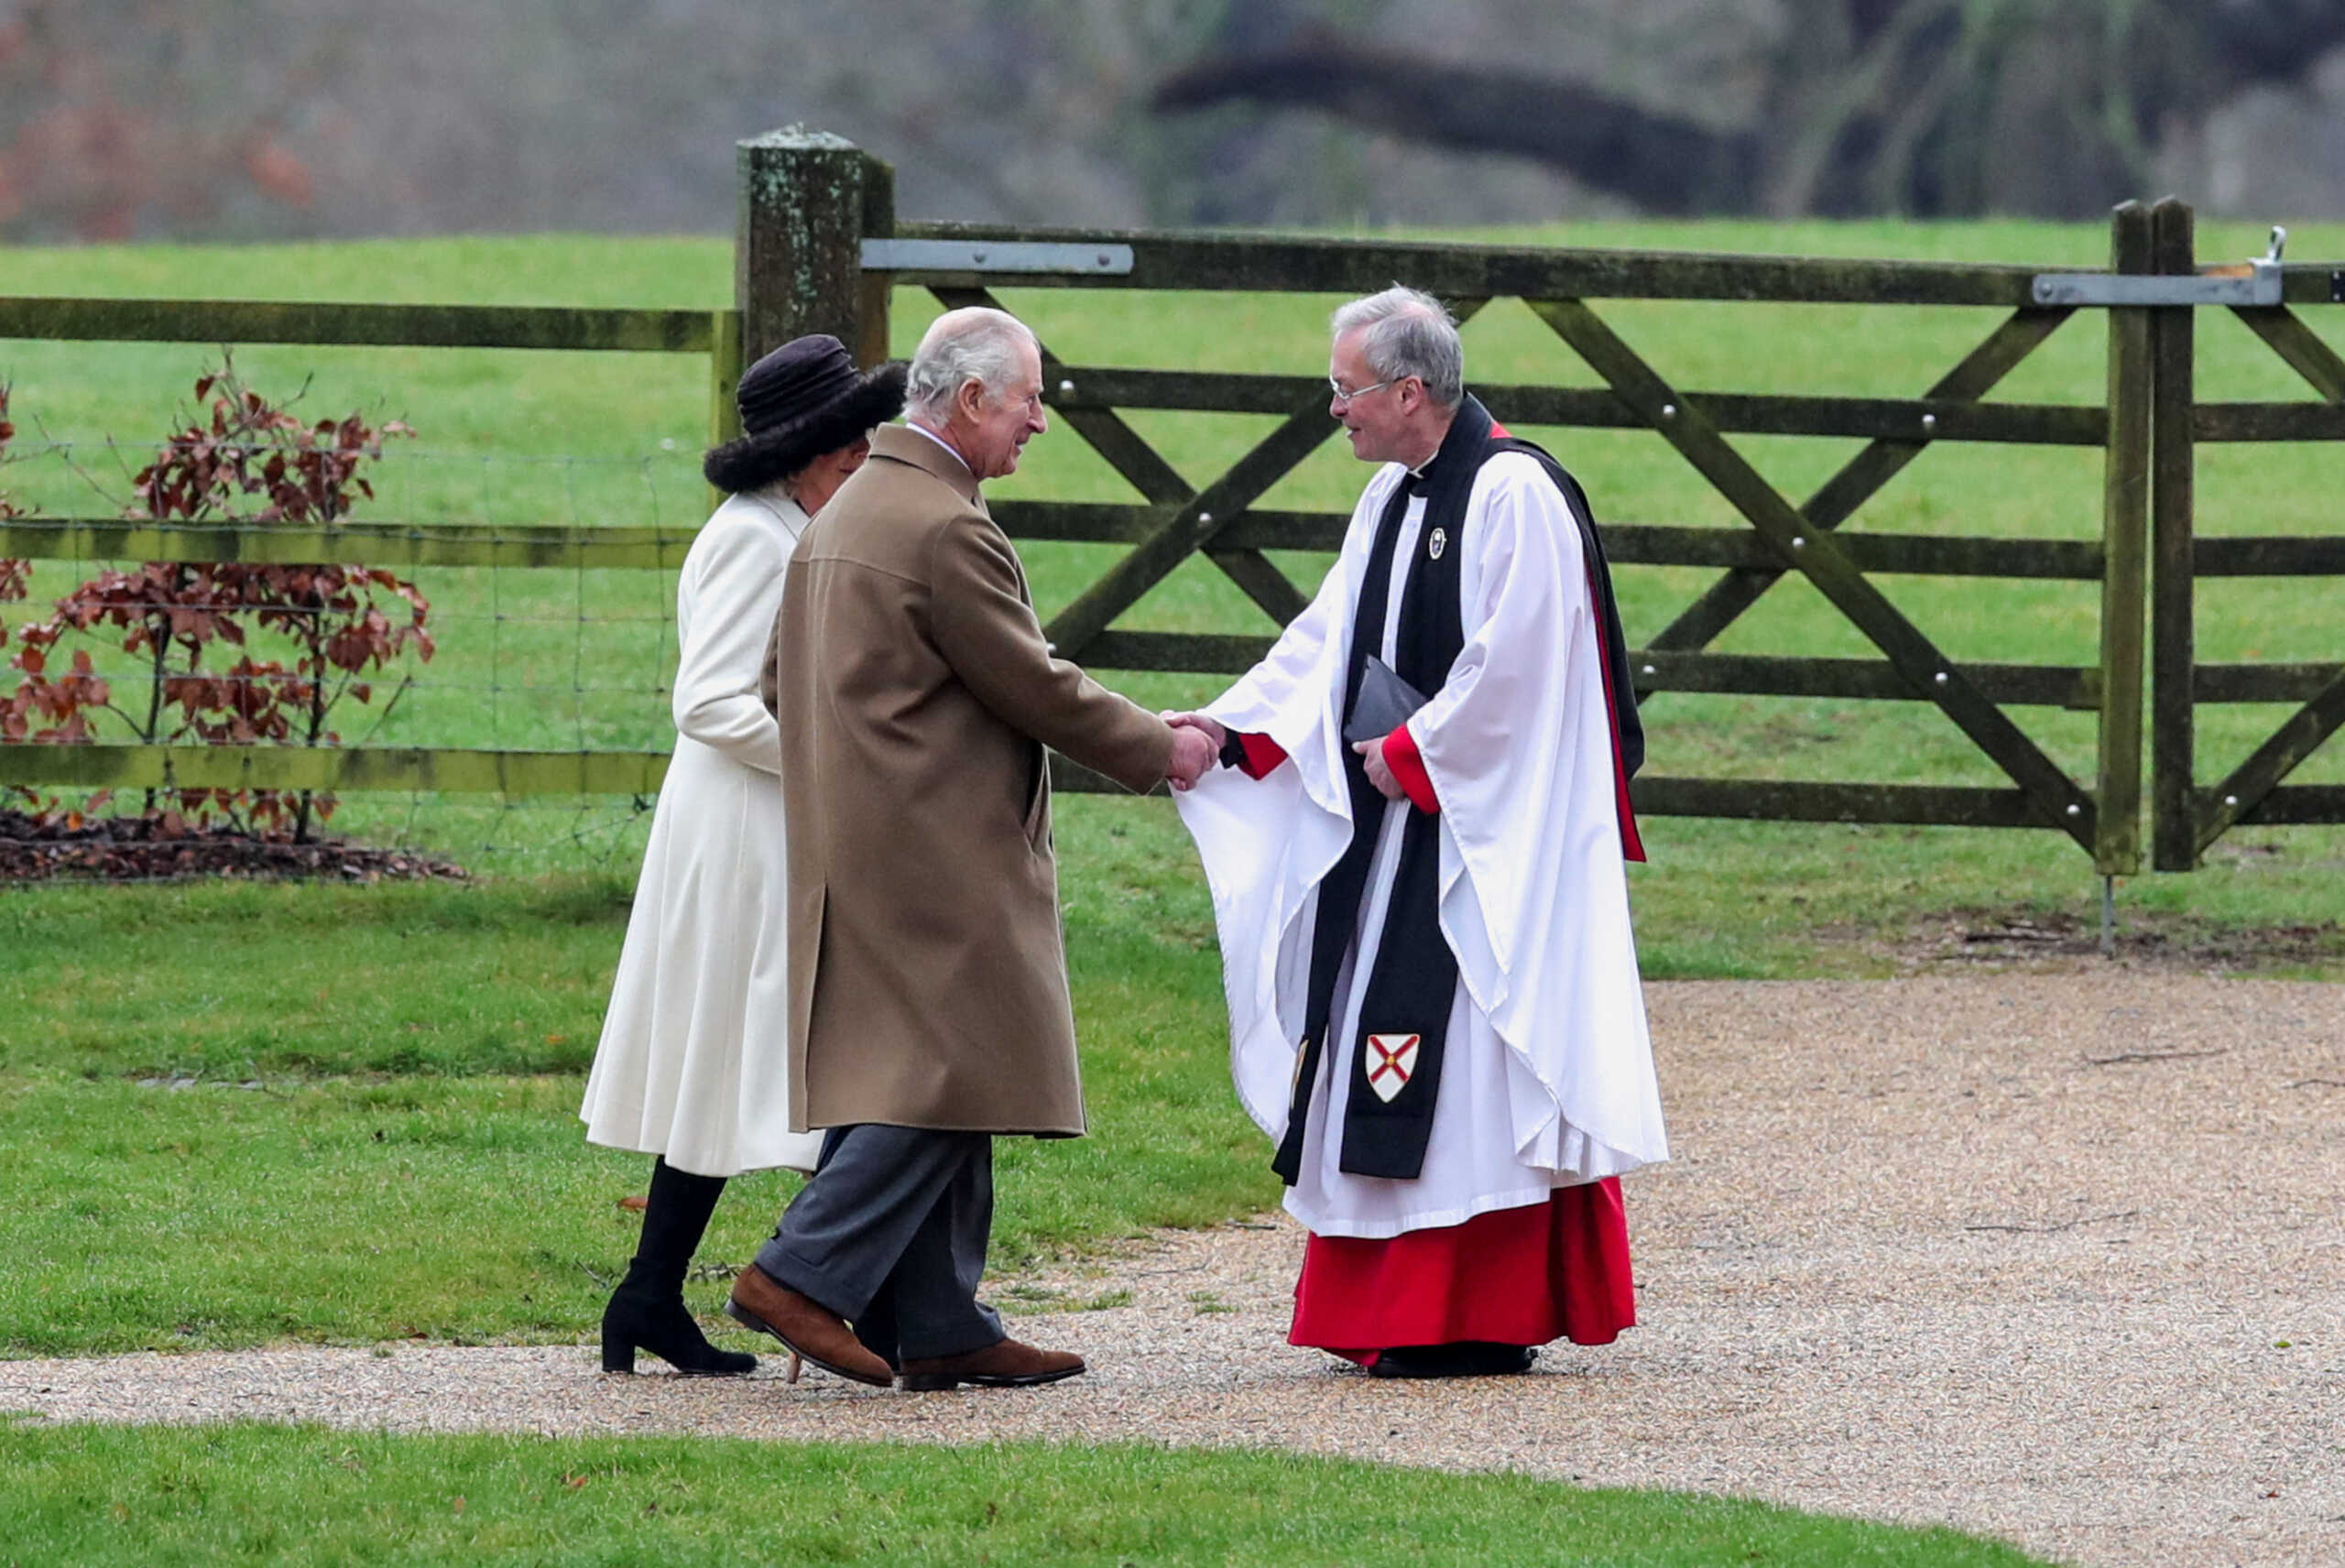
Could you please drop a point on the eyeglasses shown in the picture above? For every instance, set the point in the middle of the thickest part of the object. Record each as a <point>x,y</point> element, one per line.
<point>1342,396</point>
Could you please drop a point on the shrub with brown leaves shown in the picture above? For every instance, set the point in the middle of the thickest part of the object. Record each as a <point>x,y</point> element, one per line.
<point>329,631</point>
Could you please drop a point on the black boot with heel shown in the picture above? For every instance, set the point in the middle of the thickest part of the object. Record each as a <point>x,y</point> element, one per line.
<point>648,1310</point>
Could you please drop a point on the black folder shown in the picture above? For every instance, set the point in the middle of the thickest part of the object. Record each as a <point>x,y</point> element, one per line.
<point>1383,704</point>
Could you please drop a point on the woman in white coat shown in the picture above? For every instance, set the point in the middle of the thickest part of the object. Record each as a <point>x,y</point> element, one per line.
<point>694,1055</point>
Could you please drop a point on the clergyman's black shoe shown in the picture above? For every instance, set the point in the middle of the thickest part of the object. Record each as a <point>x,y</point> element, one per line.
<point>1463,1358</point>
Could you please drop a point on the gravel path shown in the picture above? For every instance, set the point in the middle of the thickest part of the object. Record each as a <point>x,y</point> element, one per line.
<point>2051,1256</point>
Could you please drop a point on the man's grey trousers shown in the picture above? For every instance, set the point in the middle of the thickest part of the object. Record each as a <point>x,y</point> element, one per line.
<point>890,1234</point>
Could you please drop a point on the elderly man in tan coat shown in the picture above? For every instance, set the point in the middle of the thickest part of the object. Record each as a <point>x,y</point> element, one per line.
<point>929,997</point>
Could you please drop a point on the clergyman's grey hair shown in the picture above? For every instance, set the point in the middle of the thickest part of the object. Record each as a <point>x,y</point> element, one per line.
<point>1409,333</point>
<point>970,344</point>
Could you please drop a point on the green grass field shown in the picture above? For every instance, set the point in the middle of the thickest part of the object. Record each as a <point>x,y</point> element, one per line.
<point>154,1498</point>
<point>563,659</point>
<point>185,1068</point>
<point>182,1065</point>
<point>566,658</point>
<point>486,1000</point>
<point>492,994</point>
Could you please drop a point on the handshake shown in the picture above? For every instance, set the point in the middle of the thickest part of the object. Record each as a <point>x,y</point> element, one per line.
<point>1197,744</point>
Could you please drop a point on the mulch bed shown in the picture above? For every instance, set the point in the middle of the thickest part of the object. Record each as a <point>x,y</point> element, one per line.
<point>128,849</point>
<point>2160,940</point>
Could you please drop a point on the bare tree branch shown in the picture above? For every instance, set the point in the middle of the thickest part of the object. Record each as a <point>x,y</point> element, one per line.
<point>2266,40</point>
<point>2051,107</point>
<point>1663,163</point>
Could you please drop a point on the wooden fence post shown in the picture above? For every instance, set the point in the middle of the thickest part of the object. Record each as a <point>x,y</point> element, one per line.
<point>871,344</point>
<point>724,367</point>
<point>2125,536</point>
<point>807,200</point>
<point>2174,654</point>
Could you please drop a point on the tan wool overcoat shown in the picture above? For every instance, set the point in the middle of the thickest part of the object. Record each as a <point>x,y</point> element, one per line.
<point>916,695</point>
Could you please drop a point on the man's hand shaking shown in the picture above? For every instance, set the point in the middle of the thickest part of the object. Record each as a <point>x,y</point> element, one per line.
<point>1192,753</point>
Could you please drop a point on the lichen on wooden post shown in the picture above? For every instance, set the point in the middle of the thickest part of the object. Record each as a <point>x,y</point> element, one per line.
<point>798,253</point>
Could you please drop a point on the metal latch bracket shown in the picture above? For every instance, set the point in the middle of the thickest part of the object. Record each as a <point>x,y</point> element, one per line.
<point>996,255</point>
<point>2255,282</point>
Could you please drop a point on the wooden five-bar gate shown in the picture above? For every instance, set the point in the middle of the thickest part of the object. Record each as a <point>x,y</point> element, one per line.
<point>819,249</point>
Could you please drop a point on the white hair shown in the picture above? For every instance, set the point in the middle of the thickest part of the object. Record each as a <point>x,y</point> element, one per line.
<point>1408,334</point>
<point>973,343</point>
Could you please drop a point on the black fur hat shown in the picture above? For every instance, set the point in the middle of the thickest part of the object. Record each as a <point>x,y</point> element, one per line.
<point>801,400</point>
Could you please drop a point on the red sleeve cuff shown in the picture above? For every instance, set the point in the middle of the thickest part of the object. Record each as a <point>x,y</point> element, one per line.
<point>1262,757</point>
<point>1409,769</point>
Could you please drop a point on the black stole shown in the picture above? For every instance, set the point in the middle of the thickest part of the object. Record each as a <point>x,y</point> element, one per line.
<point>1413,982</point>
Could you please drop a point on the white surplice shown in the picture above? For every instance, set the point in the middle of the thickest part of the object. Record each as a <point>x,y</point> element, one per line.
<point>1548,1078</point>
<point>694,1061</point>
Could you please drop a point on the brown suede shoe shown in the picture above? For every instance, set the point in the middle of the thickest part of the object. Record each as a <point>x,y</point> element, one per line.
<point>810,1329</point>
<point>1008,1365</point>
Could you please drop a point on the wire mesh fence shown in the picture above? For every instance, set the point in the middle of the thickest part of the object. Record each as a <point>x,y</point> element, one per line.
<point>532,647</point>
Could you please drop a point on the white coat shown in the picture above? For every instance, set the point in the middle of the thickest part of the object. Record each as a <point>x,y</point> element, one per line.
<point>694,1059</point>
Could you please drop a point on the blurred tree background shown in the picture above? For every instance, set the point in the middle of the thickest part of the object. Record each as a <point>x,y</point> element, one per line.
<point>196,119</point>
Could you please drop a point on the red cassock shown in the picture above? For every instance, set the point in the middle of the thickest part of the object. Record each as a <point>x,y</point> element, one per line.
<point>1521,1276</point>
<point>1525,1276</point>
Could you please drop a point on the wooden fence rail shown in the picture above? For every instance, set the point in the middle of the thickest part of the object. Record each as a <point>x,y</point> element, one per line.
<point>819,249</point>
<point>360,325</point>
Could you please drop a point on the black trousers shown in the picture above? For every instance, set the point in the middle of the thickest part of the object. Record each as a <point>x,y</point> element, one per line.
<point>890,1234</point>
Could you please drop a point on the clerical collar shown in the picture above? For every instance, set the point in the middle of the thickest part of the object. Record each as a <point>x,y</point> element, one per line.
<point>1460,451</point>
<point>1421,478</point>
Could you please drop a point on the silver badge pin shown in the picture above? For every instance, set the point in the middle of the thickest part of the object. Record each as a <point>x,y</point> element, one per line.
<point>1439,542</point>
